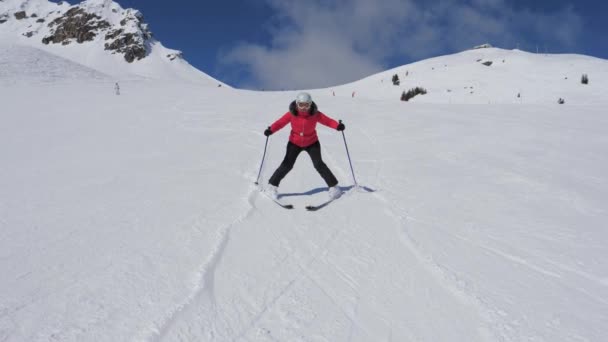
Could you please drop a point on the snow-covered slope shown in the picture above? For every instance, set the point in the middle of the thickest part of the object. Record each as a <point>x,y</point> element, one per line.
<point>135,218</point>
<point>463,78</point>
<point>27,65</point>
<point>98,34</point>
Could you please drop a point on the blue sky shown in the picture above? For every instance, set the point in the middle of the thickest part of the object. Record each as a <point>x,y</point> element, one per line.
<point>295,44</point>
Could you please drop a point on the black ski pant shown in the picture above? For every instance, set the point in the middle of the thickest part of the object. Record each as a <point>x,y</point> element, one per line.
<point>314,151</point>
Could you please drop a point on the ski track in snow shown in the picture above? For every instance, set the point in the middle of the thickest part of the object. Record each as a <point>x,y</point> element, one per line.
<point>304,274</point>
<point>449,281</point>
<point>446,280</point>
<point>206,273</point>
<point>534,267</point>
<point>205,277</point>
<point>459,288</point>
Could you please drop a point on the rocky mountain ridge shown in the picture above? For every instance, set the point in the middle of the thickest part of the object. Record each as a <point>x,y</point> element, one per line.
<point>122,31</point>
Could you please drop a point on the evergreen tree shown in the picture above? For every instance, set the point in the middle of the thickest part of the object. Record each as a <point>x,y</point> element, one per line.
<point>396,80</point>
<point>412,92</point>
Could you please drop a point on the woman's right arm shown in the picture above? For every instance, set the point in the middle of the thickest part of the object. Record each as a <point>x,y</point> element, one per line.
<point>281,122</point>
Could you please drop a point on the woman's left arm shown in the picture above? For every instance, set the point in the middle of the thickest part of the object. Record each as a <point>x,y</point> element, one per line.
<point>327,121</point>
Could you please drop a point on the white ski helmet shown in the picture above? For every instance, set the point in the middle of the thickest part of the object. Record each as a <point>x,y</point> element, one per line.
<point>303,98</point>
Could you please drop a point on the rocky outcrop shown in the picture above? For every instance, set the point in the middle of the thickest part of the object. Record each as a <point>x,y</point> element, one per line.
<point>174,56</point>
<point>76,25</point>
<point>483,46</point>
<point>20,15</point>
<point>103,22</point>
<point>133,45</point>
<point>127,44</point>
<point>80,26</point>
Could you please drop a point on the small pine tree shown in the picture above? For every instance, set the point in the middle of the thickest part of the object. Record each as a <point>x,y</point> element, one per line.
<point>396,80</point>
<point>411,93</point>
<point>585,79</point>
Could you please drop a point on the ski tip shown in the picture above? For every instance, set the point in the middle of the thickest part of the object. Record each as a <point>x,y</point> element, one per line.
<point>288,206</point>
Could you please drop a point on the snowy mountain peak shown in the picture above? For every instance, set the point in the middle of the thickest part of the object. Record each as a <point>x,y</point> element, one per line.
<point>121,31</point>
<point>483,46</point>
<point>102,3</point>
<point>486,74</point>
<point>99,34</point>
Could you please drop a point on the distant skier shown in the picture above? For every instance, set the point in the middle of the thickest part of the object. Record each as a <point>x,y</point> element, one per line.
<point>117,88</point>
<point>303,115</point>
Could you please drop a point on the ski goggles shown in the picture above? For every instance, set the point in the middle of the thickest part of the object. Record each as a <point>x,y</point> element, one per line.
<point>303,105</point>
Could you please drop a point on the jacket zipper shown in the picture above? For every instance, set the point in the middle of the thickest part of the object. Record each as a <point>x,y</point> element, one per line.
<point>302,136</point>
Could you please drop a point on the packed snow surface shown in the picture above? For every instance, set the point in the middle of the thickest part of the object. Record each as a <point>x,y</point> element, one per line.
<point>135,217</point>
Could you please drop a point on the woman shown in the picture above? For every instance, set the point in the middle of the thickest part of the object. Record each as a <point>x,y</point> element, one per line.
<point>303,116</point>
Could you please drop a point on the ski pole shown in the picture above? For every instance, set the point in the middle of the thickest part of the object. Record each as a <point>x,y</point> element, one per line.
<point>263,157</point>
<point>349,161</point>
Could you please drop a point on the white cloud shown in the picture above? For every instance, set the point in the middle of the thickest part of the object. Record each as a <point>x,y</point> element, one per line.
<point>308,61</point>
<point>323,43</point>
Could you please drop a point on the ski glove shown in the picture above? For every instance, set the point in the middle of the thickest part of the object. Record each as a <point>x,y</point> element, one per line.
<point>267,132</point>
<point>340,127</point>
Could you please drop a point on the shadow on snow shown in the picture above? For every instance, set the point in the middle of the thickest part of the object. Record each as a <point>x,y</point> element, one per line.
<point>324,189</point>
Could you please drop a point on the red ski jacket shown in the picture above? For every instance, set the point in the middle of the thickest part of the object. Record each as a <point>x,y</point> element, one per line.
<point>303,124</point>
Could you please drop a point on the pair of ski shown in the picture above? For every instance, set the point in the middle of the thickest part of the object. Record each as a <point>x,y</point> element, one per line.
<point>309,207</point>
